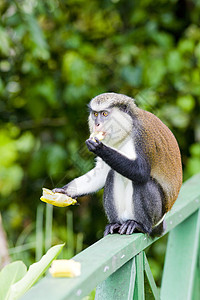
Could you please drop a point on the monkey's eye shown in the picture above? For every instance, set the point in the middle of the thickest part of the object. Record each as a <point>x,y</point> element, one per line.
<point>95,114</point>
<point>104,113</point>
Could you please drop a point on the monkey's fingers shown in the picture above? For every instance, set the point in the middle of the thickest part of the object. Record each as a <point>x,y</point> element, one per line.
<point>114,228</point>
<point>92,145</point>
<point>106,231</point>
<point>97,141</point>
<point>59,190</point>
<point>131,228</point>
<point>128,227</point>
<point>123,227</point>
<point>111,228</point>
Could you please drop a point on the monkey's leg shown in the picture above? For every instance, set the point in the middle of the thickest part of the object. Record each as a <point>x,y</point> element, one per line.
<point>149,207</point>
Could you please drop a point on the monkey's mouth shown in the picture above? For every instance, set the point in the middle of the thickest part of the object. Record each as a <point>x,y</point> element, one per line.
<point>100,135</point>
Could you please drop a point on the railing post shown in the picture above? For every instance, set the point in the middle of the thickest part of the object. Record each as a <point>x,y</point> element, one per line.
<point>196,289</point>
<point>133,281</point>
<point>139,286</point>
<point>181,262</point>
<point>119,285</point>
<point>151,290</point>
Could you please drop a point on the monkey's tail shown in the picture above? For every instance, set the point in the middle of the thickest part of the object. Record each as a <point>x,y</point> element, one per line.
<point>159,229</point>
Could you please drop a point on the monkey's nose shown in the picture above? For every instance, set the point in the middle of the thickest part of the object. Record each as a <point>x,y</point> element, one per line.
<point>97,127</point>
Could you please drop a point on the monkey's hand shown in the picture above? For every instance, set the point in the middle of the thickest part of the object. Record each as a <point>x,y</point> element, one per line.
<point>94,146</point>
<point>69,190</point>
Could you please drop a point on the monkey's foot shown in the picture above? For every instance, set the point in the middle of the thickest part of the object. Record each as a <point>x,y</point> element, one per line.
<point>128,227</point>
<point>111,228</point>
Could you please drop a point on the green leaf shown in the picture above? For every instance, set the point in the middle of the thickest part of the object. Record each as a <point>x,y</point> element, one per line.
<point>26,142</point>
<point>147,99</point>
<point>10,178</point>
<point>163,39</point>
<point>193,165</point>
<point>4,41</point>
<point>132,75</point>
<point>154,71</point>
<point>56,157</point>
<point>37,37</point>
<point>176,117</point>
<point>77,70</point>
<point>34,273</point>
<point>8,151</point>
<point>186,102</point>
<point>186,46</point>
<point>195,150</point>
<point>9,275</point>
<point>174,61</point>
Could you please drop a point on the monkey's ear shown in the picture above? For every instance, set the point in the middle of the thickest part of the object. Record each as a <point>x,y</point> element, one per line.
<point>89,108</point>
<point>124,108</point>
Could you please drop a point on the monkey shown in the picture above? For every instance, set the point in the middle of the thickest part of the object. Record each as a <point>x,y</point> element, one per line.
<point>138,164</point>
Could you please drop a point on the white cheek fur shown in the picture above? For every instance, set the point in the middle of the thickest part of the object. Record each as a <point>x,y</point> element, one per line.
<point>91,124</point>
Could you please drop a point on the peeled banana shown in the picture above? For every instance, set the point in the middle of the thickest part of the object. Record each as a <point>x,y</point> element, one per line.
<point>56,199</point>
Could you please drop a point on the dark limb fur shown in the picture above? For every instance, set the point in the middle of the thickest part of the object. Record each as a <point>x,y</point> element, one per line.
<point>137,170</point>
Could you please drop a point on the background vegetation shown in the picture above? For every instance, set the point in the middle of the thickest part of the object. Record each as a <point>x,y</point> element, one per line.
<point>54,57</point>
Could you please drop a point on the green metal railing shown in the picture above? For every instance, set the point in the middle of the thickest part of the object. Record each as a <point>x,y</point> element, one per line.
<point>118,267</point>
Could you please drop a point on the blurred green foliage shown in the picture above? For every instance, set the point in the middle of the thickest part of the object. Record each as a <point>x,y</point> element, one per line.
<point>55,56</point>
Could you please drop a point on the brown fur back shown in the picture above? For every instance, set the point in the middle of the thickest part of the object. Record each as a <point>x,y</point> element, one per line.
<point>164,155</point>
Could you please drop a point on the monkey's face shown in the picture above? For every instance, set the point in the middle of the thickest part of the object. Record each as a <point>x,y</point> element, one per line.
<point>115,124</point>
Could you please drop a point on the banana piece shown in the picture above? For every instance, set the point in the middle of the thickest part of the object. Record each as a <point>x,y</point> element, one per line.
<point>99,135</point>
<point>65,268</point>
<point>57,199</point>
